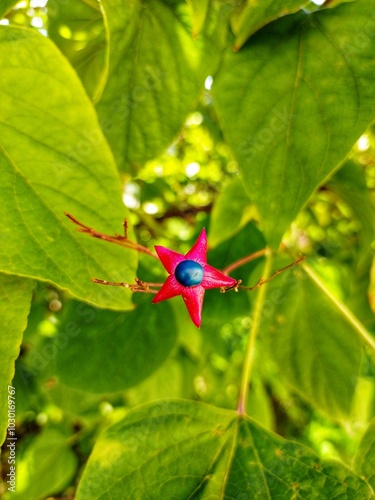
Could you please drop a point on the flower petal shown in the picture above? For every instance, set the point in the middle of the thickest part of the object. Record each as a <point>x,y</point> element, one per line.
<point>213,278</point>
<point>193,298</point>
<point>198,251</point>
<point>169,258</point>
<point>171,288</point>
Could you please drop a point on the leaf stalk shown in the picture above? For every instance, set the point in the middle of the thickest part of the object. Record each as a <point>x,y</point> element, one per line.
<point>253,334</point>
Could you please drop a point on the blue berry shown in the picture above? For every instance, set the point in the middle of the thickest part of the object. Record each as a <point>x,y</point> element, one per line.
<point>189,273</point>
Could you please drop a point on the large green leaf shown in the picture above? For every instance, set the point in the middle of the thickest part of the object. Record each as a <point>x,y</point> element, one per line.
<point>182,449</point>
<point>46,467</point>
<point>54,158</point>
<point>364,460</point>
<point>105,351</point>
<point>14,307</point>
<point>154,78</point>
<point>256,14</point>
<point>291,122</point>
<point>314,340</point>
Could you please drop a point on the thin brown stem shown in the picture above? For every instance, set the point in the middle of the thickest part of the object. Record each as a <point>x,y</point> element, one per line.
<point>262,281</point>
<point>139,286</point>
<point>110,283</point>
<point>237,286</point>
<point>245,260</point>
<point>118,239</point>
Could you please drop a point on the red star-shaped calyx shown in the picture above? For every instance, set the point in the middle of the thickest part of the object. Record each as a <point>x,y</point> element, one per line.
<point>190,276</point>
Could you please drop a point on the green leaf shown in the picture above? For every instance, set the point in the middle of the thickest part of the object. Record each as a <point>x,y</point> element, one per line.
<point>28,388</point>
<point>243,243</point>
<point>47,466</point>
<point>67,21</point>
<point>288,128</point>
<point>105,351</point>
<point>315,341</point>
<point>256,14</point>
<point>260,404</point>
<point>14,307</point>
<point>335,3</point>
<point>54,158</point>
<point>231,211</point>
<point>74,402</point>
<point>364,460</point>
<point>156,73</point>
<point>184,449</point>
<point>6,6</point>
<point>349,183</point>
<point>358,299</point>
<point>173,379</point>
<point>199,10</point>
<point>222,308</point>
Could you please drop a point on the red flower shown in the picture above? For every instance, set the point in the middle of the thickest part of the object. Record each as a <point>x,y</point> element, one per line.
<point>190,276</point>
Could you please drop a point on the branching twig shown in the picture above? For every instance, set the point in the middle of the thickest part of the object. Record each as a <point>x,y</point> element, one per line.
<point>262,281</point>
<point>118,239</point>
<point>142,286</point>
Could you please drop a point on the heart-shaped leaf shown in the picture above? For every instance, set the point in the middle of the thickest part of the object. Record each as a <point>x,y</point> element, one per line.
<point>155,75</point>
<point>54,158</point>
<point>184,449</point>
<point>293,122</point>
